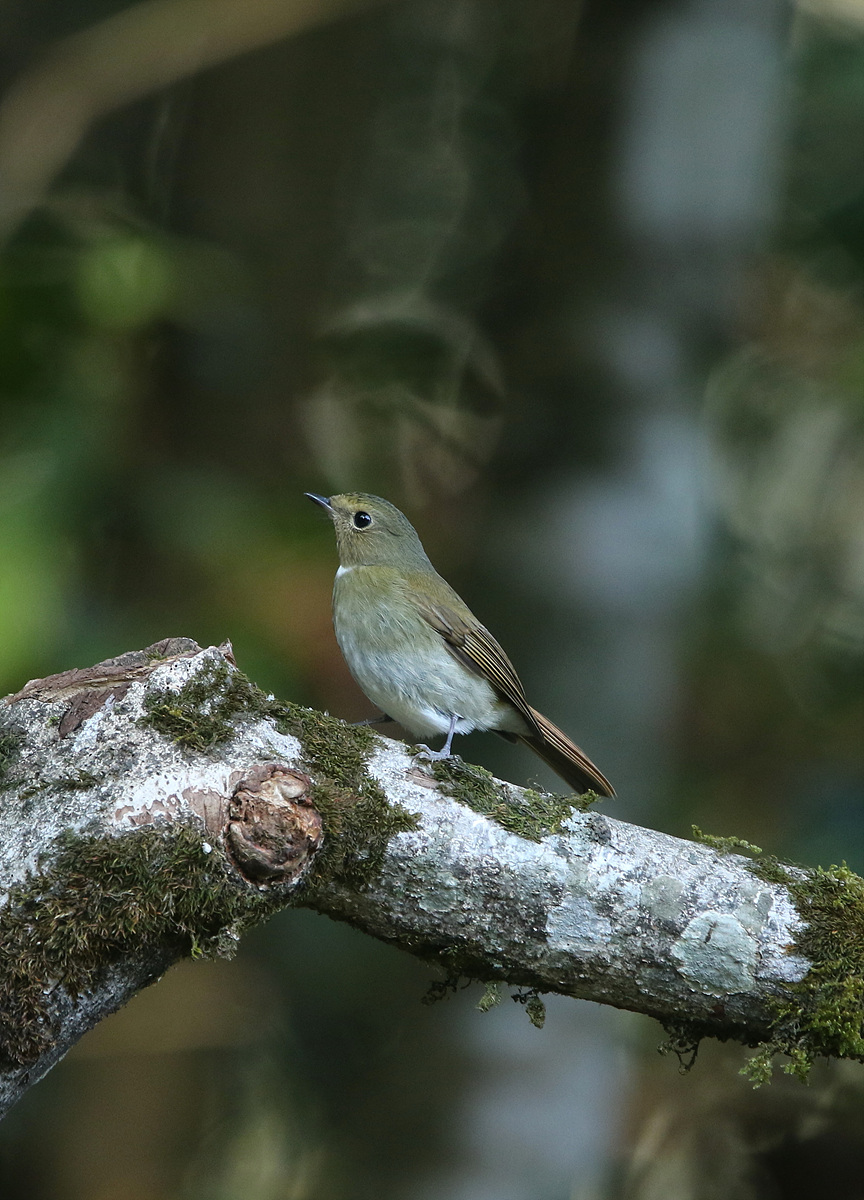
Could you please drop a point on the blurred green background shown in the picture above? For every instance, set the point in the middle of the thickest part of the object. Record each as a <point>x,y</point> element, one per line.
<point>580,288</point>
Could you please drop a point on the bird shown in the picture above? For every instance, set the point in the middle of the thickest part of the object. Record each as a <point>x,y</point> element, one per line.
<point>419,653</point>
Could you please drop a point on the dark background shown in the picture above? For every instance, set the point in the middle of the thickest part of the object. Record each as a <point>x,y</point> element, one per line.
<point>580,289</point>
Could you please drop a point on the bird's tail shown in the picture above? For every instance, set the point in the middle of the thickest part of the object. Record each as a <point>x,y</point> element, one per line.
<point>565,758</point>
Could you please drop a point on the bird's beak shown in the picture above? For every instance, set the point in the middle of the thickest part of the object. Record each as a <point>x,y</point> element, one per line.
<point>322,500</point>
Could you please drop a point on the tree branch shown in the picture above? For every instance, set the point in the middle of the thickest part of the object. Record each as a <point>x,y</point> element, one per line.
<point>156,805</point>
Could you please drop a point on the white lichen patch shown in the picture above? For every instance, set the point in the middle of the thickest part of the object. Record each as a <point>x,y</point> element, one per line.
<point>265,742</point>
<point>662,896</point>
<point>716,953</point>
<point>392,764</point>
<point>87,735</point>
<point>577,927</point>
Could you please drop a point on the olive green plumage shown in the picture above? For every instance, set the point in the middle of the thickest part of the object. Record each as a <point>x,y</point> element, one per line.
<point>418,651</point>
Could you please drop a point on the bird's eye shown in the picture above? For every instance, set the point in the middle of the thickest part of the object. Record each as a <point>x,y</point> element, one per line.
<point>362,520</point>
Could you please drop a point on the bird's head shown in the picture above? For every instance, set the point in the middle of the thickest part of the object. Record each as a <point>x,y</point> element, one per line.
<point>372,532</point>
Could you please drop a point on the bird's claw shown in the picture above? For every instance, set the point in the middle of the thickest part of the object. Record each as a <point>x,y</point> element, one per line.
<point>427,754</point>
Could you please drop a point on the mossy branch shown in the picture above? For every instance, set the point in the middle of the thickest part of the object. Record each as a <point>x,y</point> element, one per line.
<point>156,805</point>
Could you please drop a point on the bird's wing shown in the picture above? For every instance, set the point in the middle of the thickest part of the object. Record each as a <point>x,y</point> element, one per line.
<point>475,647</point>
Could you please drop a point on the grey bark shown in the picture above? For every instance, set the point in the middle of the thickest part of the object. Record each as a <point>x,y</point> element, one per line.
<point>602,910</point>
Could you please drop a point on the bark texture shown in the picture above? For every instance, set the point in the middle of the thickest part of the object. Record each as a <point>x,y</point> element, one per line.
<point>217,805</point>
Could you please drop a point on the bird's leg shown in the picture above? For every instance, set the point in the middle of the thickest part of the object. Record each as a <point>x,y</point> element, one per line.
<point>381,719</point>
<point>444,752</point>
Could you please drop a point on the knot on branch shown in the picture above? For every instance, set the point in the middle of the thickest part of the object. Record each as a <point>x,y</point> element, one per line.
<point>273,830</point>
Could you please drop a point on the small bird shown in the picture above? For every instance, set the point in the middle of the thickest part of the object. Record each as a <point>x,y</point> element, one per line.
<point>418,651</point>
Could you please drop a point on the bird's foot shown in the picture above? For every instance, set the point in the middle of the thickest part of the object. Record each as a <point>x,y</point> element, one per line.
<point>438,755</point>
<point>427,754</point>
<point>444,753</point>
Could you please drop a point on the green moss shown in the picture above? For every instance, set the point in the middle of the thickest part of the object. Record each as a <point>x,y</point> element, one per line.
<point>529,998</point>
<point>771,869</point>
<point>534,1006</point>
<point>332,747</point>
<point>102,899</point>
<point>440,989</point>
<point>532,817</point>
<point>10,749</point>
<point>358,819</point>
<point>491,997</point>
<point>199,715</point>
<point>823,1015</point>
<point>358,826</point>
<point>81,781</point>
<point>726,845</point>
<point>683,1039</point>
<point>468,784</point>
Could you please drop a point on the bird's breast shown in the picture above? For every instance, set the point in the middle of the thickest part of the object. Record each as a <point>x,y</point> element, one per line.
<point>401,663</point>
